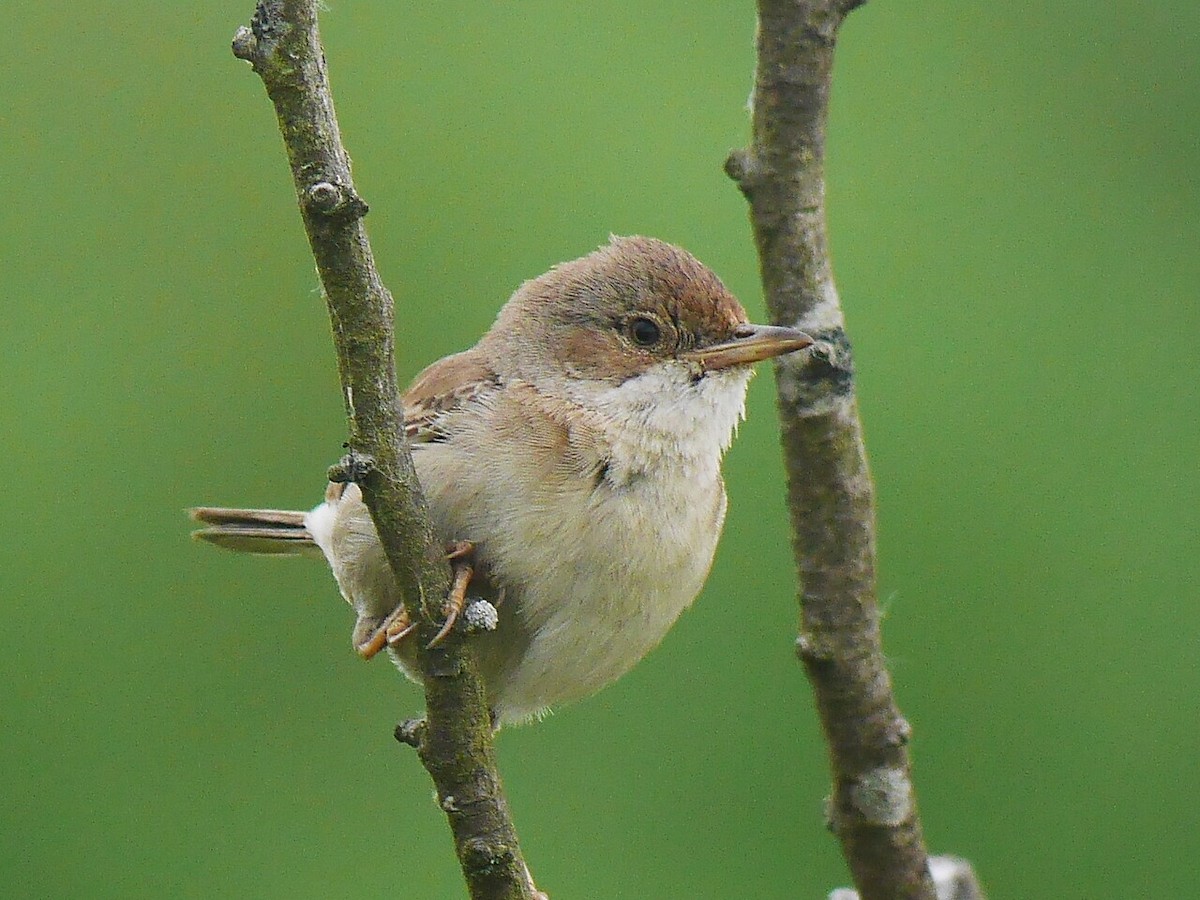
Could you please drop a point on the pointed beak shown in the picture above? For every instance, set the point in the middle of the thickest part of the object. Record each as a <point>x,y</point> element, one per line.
<point>750,344</point>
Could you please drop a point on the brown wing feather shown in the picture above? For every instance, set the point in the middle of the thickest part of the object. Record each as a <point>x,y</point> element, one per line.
<point>569,438</point>
<point>443,386</point>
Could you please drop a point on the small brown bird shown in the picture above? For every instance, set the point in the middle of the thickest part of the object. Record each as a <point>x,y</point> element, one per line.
<point>574,456</point>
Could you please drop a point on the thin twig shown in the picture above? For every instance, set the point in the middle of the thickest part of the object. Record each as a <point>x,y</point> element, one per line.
<point>873,808</point>
<point>455,741</point>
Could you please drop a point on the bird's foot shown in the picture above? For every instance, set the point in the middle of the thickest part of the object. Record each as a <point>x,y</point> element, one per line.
<point>459,555</point>
<point>399,625</point>
<point>395,628</point>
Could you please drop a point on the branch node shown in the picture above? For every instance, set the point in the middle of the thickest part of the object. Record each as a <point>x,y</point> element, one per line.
<point>743,168</point>
<point>831,357</point>
<point>482,856</point>
<point>820,375</point>
<point>411,732</point>
<point>353,468</point>
<point>324,198</point>
<point>245,44</point>
<point>812,651</point>
<point>899,733</point>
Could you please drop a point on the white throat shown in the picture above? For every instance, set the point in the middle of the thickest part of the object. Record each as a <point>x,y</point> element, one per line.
<point>667,417</point>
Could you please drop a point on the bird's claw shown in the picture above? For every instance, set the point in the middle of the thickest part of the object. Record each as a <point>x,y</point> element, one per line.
<point>399,625</point>
<point>400,628</point>
<point>458,554</point>
<point>395,628</point>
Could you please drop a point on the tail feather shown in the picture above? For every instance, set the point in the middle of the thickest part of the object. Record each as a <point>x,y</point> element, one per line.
<point>273,532</point>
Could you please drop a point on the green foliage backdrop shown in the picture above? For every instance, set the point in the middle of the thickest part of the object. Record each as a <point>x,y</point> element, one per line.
<point>1013,199</point>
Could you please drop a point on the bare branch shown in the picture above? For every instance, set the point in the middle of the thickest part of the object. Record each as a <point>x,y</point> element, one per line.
<point>873,809</point>
<point>455,741</point>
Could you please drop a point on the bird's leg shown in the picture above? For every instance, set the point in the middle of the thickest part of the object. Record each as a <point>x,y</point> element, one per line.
<point>459,555</point>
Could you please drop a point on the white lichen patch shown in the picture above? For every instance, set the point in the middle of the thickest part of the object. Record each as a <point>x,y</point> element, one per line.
<point>883,796</point>
<point>480,615</point>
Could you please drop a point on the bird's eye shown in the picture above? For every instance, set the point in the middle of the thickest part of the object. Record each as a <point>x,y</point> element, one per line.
<point>645,332</point>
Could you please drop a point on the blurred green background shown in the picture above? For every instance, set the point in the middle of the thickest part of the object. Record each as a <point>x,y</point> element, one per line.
<point>1013,202</point>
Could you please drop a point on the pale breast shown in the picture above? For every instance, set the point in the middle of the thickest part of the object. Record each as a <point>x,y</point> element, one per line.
<point>608,589</point>
<point>596,557</point>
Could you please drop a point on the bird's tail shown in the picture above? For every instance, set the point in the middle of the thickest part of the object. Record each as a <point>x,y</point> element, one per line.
<point>277,532</point>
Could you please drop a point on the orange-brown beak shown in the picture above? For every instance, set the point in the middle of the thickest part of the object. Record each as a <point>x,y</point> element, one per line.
<point>750,344</point>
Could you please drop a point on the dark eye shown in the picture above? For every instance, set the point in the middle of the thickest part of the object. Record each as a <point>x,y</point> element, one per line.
<point>645,332</point>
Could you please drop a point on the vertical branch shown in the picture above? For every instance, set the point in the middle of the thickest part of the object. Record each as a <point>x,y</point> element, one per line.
<point>830,494</point>
<point>454,742</point>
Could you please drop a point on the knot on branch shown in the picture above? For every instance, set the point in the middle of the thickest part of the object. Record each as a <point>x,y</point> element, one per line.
<point>743,168</point>
<point>353,468</point>
<point>899,732</point>
<point>821,375</point>
<point>245,44</point>
<point>411,732</point>
<point>814,652</point>
<point>329,200</point>
<point>484,857</point>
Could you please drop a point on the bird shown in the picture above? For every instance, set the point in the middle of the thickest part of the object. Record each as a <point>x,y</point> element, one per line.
<point>571,459</point>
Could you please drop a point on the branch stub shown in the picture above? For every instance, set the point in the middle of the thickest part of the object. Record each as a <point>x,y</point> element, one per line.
<point>743,169</point>
<point>411,732</point>
<point>245,44</point>
<point>353,468</point>
<point>328,199</point>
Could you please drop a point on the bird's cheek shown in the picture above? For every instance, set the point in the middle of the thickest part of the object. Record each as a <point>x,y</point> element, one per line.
<point>598,355</point>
